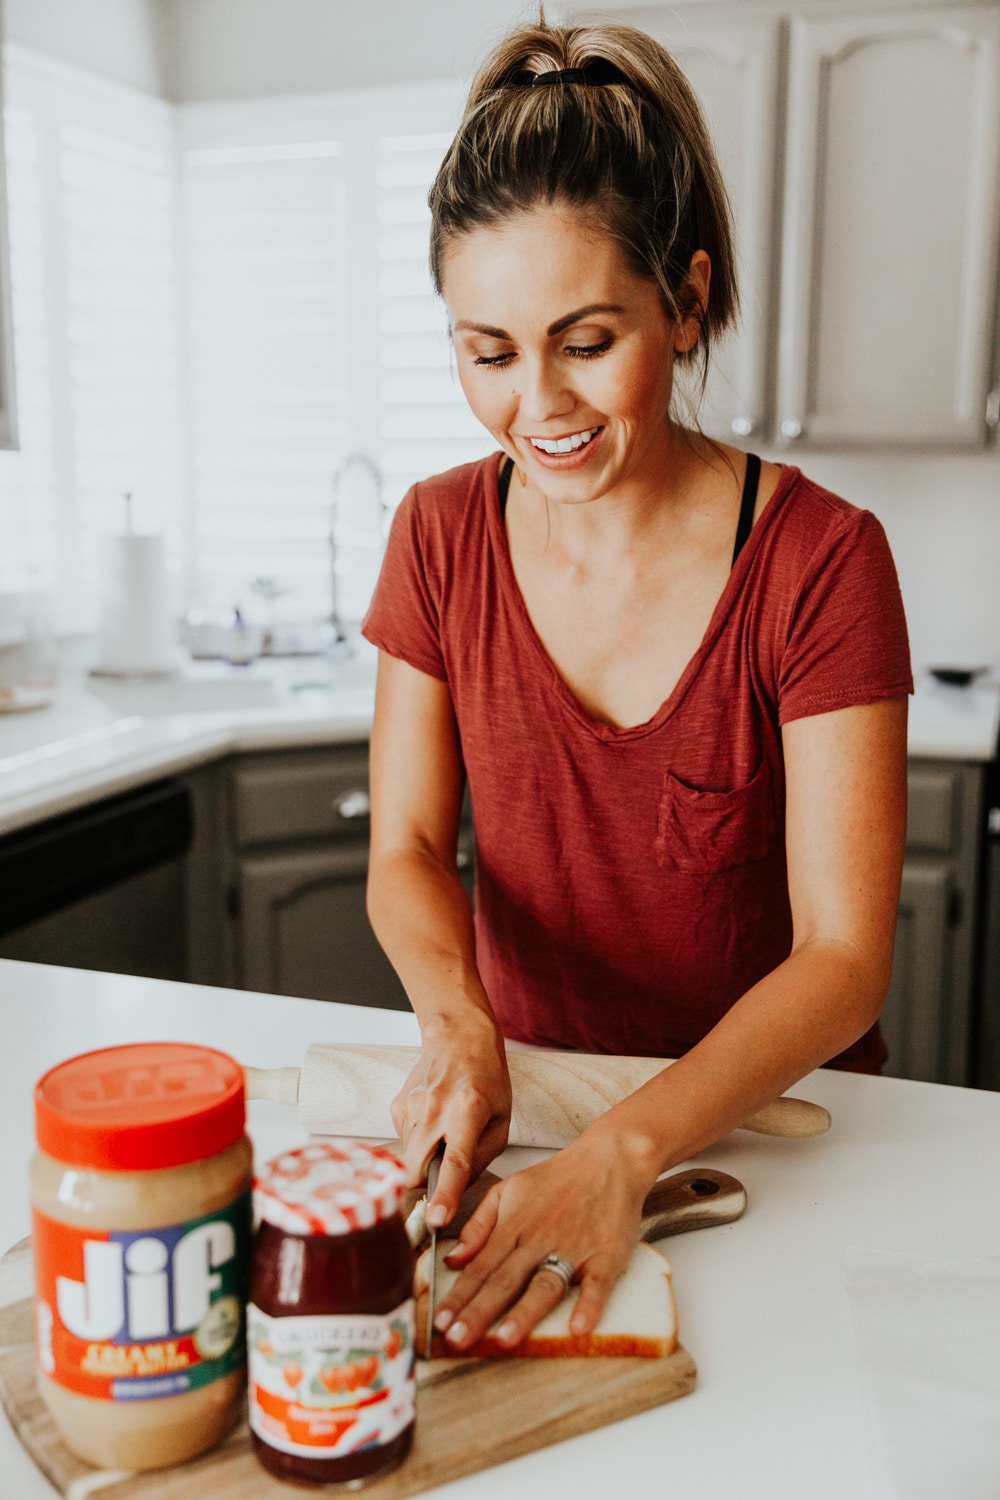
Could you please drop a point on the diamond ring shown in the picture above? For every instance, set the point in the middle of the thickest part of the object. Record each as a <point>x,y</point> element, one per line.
<point>559,1267</point>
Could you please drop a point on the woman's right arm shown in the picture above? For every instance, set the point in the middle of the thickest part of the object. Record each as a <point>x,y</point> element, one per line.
<point>459,1090</point>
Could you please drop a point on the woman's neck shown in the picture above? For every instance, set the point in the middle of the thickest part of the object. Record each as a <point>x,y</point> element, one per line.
<point>682,489</point>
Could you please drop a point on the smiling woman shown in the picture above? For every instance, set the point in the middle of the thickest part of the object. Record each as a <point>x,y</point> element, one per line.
<point>673,677</point>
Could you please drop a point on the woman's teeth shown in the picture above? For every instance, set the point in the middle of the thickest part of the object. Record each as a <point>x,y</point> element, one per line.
<point>565,444</point>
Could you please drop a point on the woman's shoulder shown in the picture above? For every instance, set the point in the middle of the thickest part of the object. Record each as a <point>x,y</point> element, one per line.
<point>807,519</point>
<point>454,490</point>
<point>445,514</point>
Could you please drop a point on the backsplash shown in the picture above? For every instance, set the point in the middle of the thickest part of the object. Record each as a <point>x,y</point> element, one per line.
<point>941,513</point>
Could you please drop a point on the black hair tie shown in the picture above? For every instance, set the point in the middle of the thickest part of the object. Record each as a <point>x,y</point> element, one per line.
<point>595,71</point>
<point>560,75</point>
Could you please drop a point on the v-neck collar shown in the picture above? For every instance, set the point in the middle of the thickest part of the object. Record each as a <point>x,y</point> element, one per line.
<point>610,733</point>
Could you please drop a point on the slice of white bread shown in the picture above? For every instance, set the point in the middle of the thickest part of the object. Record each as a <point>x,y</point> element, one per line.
<point>640,1317</point>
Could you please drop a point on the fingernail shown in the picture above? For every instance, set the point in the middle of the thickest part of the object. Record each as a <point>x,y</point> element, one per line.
<point>443,1319</point>
<point>457,1333</point>
<point>437,1216</point>
<point>507,1333</point>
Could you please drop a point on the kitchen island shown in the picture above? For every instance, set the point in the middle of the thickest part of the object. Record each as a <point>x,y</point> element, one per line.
<point>779,1411</point>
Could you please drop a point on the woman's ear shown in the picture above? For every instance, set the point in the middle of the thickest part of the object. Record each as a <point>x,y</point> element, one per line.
<point>699,279</point>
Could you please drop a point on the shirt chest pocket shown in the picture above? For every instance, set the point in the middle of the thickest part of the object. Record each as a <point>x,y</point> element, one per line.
<point>700,832</point>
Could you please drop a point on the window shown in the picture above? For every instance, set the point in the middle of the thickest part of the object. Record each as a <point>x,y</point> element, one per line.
<point>314,334</point>
<point>90,188</point>
<point>216,309</point>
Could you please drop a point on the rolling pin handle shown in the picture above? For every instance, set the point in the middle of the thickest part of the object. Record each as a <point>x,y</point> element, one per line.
<point>280,1085</point>
<point>790,1117</point>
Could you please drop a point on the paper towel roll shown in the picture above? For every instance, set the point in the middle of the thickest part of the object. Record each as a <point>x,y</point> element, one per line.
<point>137,634</point>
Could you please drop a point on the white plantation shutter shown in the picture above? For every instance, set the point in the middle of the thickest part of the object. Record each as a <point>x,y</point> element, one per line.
<point>426,425</point>
<point>90,188</point>
<point>266,292</point>
<point>314,334</point>
<point>29,530</point>
<point>215,308</point>
<point>122,338</point>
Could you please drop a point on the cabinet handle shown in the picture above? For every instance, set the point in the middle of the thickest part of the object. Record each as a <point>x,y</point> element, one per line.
<point>993,409</point>
<point>352,804</point>
<point>792,429</point>
<point>744,426</point>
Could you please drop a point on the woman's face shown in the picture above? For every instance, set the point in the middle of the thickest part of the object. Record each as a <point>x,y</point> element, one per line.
<point>564,353</point>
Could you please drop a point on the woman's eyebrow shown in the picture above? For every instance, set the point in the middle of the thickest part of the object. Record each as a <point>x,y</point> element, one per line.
<point>582,312</point>
<point>465,326</point>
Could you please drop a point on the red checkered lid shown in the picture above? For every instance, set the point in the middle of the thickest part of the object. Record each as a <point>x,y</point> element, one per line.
<point>329,1188</point>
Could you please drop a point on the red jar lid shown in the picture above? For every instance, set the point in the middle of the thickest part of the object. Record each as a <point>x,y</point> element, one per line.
<point>140,1107</point>
<point>329,1188</point>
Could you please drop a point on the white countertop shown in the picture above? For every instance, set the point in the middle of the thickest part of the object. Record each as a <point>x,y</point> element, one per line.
<point>778,1412</point>
<point>99,737</point>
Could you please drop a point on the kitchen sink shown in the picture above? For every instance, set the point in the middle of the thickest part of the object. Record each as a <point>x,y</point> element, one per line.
<point>219,687</point>
<point>196,688</point>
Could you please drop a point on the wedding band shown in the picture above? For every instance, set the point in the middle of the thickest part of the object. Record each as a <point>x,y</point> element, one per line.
<point>559,1267</point>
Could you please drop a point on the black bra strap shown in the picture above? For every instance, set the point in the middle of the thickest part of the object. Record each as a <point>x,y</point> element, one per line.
<point>747,504</point>
<point>503,483</point>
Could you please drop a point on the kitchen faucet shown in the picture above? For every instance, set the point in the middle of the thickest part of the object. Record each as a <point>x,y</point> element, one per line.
<point>366,462</point>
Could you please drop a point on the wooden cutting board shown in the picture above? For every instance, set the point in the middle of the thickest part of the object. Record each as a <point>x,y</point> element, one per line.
<point>471,1414</point>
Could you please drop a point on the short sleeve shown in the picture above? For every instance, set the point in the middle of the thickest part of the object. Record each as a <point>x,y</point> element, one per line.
<point>847,641</point>
<point>404,615</point>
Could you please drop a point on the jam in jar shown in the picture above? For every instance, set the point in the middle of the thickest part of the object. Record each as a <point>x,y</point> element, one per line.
<point>330,1324</point>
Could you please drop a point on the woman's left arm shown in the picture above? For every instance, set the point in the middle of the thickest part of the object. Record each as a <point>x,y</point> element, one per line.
<point>845,831</point>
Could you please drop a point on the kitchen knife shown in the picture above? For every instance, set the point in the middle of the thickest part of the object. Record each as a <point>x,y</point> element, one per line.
<point>433,1171</point>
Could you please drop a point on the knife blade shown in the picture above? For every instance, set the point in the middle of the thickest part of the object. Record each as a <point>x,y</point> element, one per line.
<point>433,1171</point>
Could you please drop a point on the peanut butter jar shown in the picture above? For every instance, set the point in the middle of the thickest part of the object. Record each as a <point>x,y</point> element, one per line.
<point>141,1216</point>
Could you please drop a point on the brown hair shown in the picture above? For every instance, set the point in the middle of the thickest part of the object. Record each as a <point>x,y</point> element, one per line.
<point>623,137</point>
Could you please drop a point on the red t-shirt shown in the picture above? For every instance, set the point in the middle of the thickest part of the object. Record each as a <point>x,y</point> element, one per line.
<point>631,883</point>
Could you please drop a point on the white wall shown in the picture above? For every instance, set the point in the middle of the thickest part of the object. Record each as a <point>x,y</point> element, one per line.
<point>120,39</point>
<point>224,49</point>
<point>942,517</point>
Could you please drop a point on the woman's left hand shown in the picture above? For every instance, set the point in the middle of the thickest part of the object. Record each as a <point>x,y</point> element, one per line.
<point>583,1205</point>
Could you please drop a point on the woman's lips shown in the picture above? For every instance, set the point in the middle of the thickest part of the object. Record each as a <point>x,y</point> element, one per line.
<point>571,460</point>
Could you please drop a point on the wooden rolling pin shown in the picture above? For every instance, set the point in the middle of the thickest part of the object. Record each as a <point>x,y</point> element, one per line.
<point>348,1091</point>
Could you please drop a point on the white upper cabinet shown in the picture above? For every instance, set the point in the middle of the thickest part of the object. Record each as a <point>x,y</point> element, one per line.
<point>889,262</point>
<point>862,155</point>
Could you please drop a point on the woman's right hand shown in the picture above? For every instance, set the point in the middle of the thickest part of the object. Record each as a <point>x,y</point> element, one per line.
<point>459,1093</point>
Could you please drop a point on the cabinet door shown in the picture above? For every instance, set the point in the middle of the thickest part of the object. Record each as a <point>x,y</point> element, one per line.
<point>304,929</point>
<point>890,227</point>
<point>912,1019</point>
<point>734,70</point>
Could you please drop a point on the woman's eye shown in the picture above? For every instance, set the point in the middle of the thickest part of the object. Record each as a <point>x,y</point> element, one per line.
<point>493,361</point>
<point>588,351</point>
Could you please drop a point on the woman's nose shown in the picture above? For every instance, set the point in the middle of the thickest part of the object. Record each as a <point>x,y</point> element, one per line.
<point>543,392</point>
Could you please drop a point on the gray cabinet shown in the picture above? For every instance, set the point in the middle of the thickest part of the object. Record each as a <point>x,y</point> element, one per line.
<point>735,68</point>
<point>860,146</point>
<point>299,824</point>
<point>928,1015</point>
<point>889,243</point>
